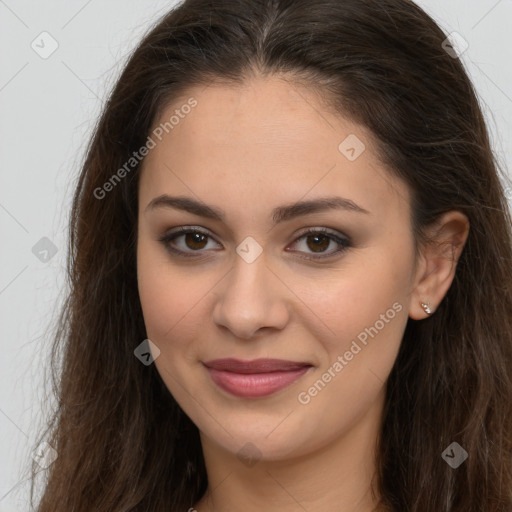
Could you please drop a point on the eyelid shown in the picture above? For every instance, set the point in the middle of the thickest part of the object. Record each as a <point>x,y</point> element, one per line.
<point>189,229</point>
<point>321,229</point>
<point>341,239</point>
<point>174,233</point>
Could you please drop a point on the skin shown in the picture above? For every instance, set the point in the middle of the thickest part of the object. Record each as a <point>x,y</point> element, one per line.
<point>247,150</point>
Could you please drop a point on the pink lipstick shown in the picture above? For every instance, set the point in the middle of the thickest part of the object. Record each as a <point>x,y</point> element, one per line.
<point>253,379</point>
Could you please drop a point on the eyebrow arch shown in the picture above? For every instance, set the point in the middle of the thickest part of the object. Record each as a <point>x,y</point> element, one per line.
<point>279,214</point>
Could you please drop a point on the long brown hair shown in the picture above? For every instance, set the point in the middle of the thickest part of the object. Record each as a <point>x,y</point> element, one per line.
<point>123,443</point>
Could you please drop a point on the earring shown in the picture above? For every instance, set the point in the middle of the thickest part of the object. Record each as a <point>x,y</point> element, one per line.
<point>426,307</point>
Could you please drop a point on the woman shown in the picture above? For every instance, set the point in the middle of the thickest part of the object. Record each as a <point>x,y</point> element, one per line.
<point>290,271</point>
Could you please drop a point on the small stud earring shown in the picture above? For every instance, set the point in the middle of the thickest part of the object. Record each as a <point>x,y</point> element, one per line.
<point>426,307</point>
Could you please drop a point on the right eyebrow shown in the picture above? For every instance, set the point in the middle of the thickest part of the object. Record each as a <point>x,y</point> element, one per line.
<point>279,214</point>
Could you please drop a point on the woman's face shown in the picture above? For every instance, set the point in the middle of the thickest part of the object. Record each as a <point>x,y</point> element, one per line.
<point>259,167</point>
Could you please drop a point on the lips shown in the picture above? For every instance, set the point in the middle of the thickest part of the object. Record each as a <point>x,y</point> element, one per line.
<point>255,366</point>
<point>256,378</point>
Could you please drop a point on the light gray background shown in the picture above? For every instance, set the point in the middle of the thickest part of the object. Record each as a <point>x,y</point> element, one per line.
<point>48,108</point>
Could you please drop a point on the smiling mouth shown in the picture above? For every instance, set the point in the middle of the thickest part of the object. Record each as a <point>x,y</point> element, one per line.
<point>256,378</point>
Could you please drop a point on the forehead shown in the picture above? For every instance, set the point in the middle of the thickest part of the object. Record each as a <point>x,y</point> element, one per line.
<point>265,110</point>
<point>266,140</point>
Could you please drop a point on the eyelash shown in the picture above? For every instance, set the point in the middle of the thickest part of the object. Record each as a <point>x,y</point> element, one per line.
<point>344,242</point>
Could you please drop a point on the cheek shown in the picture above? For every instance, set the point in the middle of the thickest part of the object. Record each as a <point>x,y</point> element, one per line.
<point>175,302</point>
<point>165,298</point>
<point>366,309</point>
<point>353,298</point>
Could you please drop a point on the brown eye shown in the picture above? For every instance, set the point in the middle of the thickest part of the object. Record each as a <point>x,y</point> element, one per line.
<point>187,241</point>
<point>318,243</point>
<point>196,240</point>
<point>315,244</point>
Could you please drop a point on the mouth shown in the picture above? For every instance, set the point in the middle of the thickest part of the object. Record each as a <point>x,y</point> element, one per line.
<point>257,378</point>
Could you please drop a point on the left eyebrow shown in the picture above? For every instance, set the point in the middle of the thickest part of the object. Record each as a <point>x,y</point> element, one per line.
<point>287,212</point>
<point>279,214</point>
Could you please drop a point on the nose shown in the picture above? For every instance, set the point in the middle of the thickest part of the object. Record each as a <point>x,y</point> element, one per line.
<point>251,300</point>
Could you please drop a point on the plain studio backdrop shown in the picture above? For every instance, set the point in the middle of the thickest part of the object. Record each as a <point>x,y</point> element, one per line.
<point>59,60</point>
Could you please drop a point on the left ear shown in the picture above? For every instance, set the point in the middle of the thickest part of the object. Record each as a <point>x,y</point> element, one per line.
<point>438,261</point>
